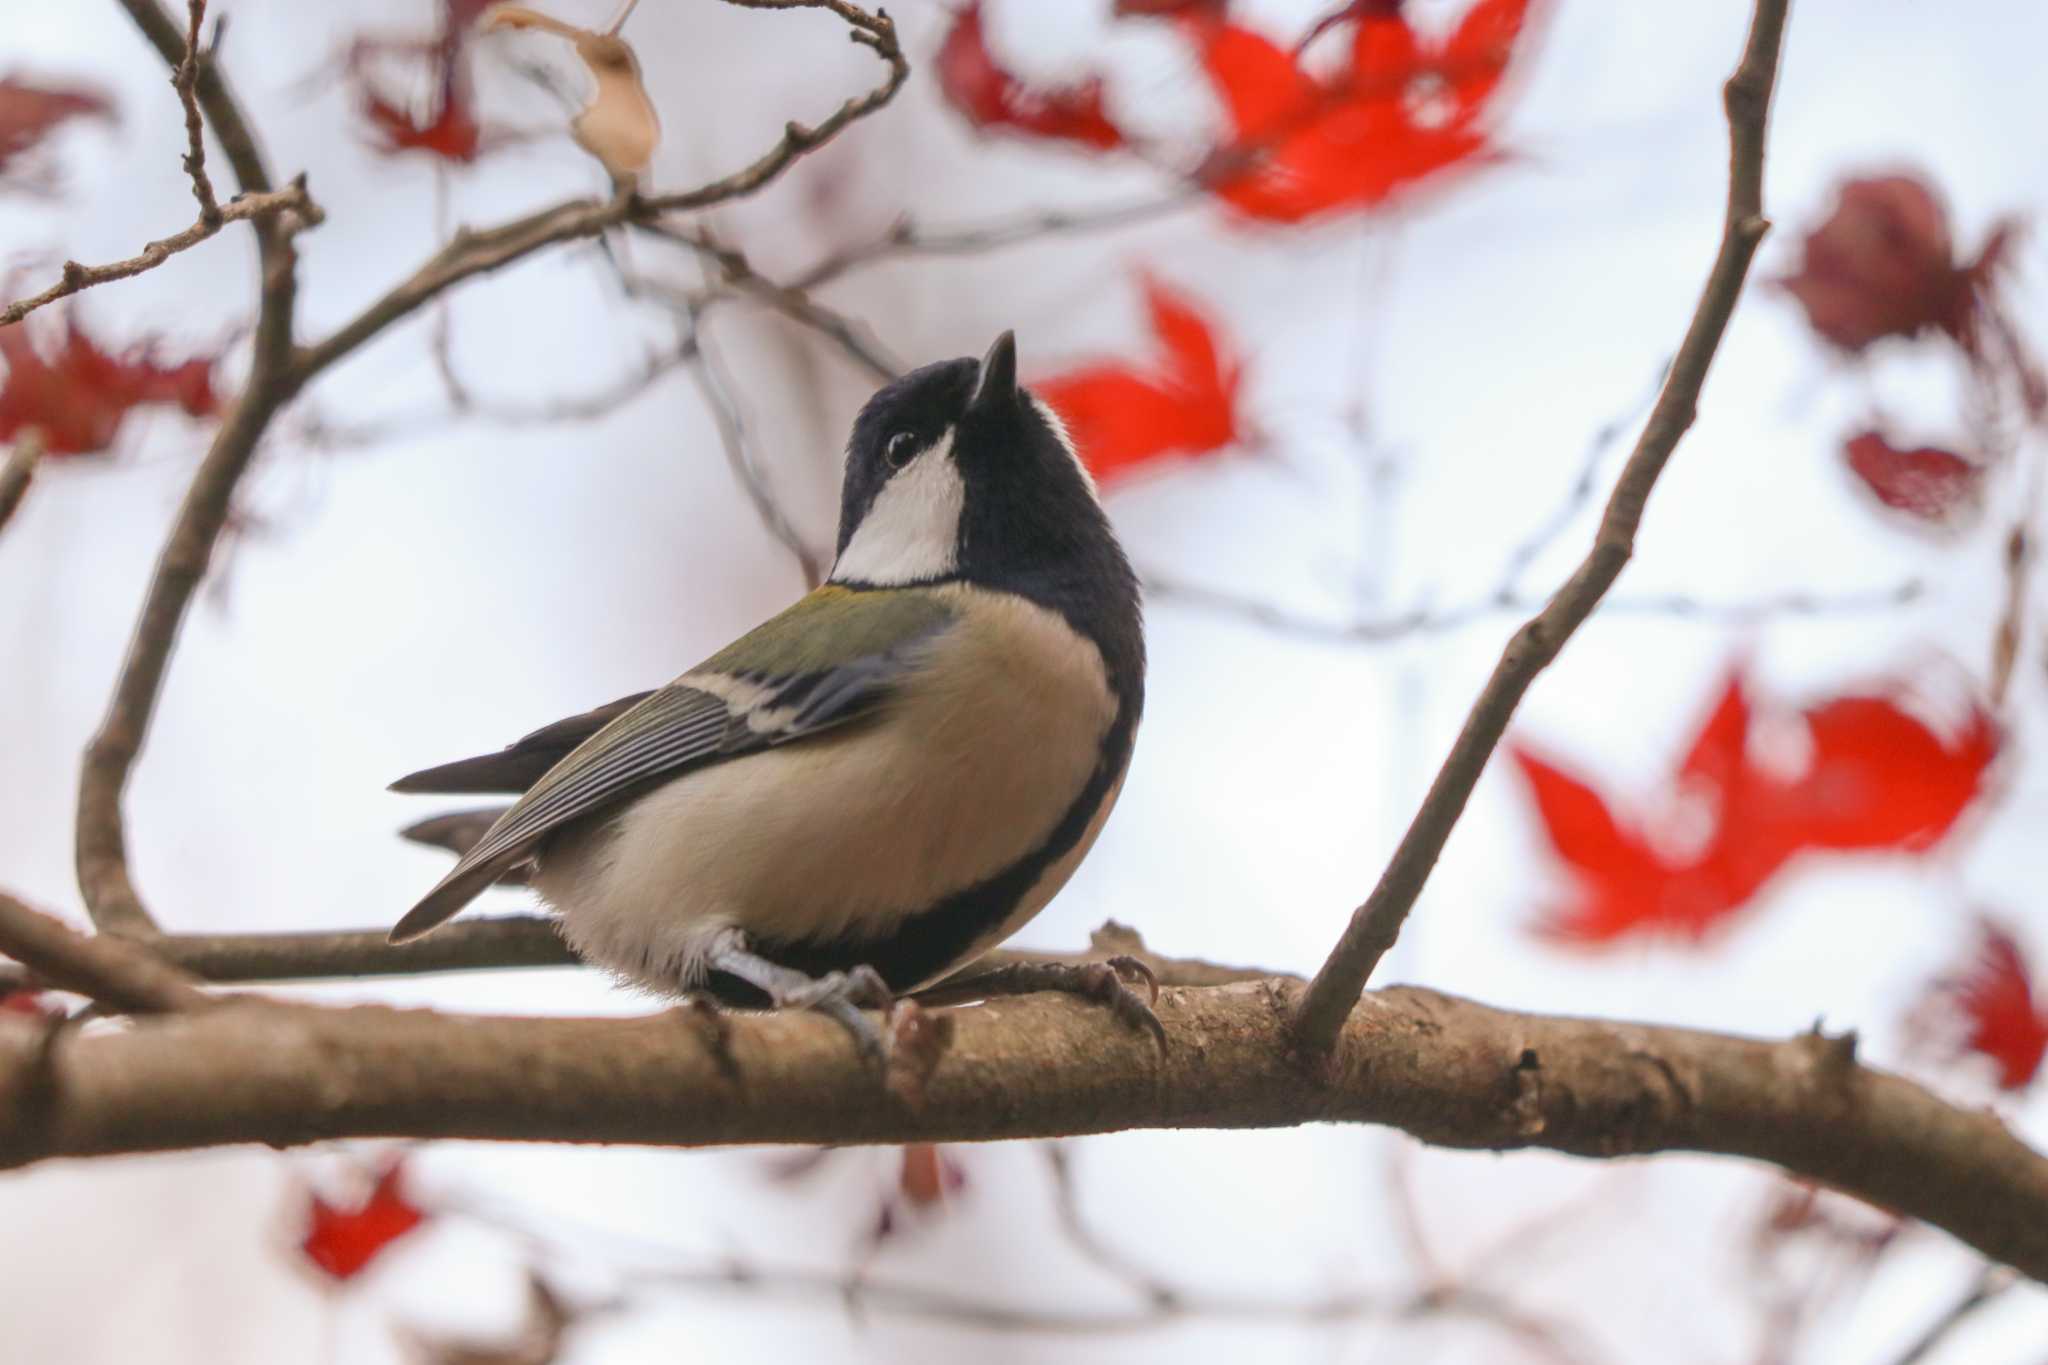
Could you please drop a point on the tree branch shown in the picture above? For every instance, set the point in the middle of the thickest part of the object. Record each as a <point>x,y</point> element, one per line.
<point>76,278</point>
<point>1377,923</point>
<point>102,842</point>
<point>110,969</point>
<point>18,472</point>
<point>185,79</point>
<point>477,252</point>
<point>1449,1071</point>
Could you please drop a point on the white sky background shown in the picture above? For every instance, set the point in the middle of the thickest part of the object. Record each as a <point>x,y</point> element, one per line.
<point>442,594</point>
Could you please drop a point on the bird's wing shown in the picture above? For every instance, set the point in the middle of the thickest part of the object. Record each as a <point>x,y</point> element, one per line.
<point>827,660</point>
<point>520,764</point>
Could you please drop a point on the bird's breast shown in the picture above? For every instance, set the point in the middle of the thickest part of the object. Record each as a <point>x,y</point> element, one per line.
<point>966,771</point>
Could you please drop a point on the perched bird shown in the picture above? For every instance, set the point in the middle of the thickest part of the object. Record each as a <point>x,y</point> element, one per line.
<point>878,785</point>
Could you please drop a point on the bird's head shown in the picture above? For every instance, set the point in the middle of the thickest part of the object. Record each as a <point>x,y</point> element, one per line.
<point>955,471</point>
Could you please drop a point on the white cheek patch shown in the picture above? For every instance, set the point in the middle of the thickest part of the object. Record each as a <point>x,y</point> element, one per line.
<point>1066,440</point>
<point>911,532</point>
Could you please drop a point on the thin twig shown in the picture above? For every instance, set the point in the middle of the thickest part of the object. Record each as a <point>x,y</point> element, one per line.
<point>1377,923</point>
<point>76,278</point>
<point>850,334</point>
<point>1581,491</point>
<point>1991,1282</point>
<point>19,471</point>
<point>905,238</point>
<point>716,385</point>
<point>477,252</point>
<point>184,79</point>
<point>112,970</point>
<point>1424,621</point>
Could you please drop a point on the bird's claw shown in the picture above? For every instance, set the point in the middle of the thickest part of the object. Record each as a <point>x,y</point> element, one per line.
<point>843,997</point>
<point>1106,983</point>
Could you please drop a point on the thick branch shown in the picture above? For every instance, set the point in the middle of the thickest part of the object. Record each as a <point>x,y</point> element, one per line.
<point>76,278</point>
<point>102,841</point>
<point>1377,923</point>
<point>1449,1071</point>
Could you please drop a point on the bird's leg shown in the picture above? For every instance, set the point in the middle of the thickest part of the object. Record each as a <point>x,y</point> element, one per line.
<point>839,996</point>
<point>1106,983</point>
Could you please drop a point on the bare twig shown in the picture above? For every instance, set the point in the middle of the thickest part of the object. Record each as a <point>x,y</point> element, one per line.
<point>719,396</point>
<point>185,79</point>
<point>477,252</point>
<point>1425,621</point>
<point>110,969</point>
<point>1377,923</point>
<point>850,334</point>
<point>905,238</point>
<point>1580,495</point>
<point>1990,1283</point>
<point>102,843</point>
<point>18,472</point>
<point>76,278</point>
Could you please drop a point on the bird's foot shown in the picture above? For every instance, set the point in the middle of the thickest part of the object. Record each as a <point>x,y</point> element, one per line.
<point>1107,983</point>
<point>839,996</point>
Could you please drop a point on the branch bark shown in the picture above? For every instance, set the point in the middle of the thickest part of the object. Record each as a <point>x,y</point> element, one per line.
<point>1449,1071</point>
<point>1377,923</point>
<point>110,969</point>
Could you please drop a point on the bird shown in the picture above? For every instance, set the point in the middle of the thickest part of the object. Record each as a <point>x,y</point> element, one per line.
<point>872,789</point>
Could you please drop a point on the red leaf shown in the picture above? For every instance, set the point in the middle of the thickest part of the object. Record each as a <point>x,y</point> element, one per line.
<point>1122,418</point>
<point>447,127</point>
<point>31,1003</point>
<point>342,1242</point>
<point>29,112</point>
<point>990,97</point>
<point>78,395</point>
<point>1996,1000</point>
<point>1883,264</point>
<point>1881,779</point>
<point>1878,780</point>
<point>1403,112</point>
<point>1926,482</point>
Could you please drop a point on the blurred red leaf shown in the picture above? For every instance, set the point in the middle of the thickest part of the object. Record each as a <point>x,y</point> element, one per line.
<point>447,127</point>
<point>1876,779</point>
<point>78,395</point>
<point>1997,1002</point>
<point>1122,418</point>
<point>28,113</point>
<point>1926,482</point>
<point>34,1004</point>
<point>989,97</point>
<point>1402,111</point>
<point>343,1241</point>
<point>1883,264</point>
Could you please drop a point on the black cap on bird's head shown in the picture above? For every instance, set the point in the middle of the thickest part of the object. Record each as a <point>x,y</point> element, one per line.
<point>957,471</point>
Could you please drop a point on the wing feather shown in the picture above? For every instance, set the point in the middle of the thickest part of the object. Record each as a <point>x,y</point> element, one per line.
<point>730,707</point>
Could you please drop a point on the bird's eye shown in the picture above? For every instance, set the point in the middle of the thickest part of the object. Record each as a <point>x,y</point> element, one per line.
<point>900,448</point>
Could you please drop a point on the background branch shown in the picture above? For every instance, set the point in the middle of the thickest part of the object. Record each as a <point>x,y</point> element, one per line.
<point>110,969</point>
<point>18,472</point>
<point>1377,923</point>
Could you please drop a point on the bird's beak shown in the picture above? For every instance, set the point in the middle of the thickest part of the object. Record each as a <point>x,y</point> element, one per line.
<point>998,373</point>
